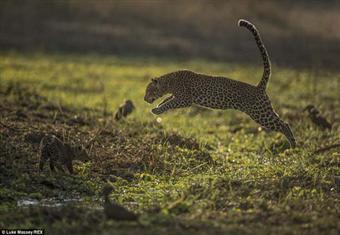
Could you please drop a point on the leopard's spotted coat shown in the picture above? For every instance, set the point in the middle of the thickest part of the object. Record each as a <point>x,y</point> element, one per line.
<point>188,88</point>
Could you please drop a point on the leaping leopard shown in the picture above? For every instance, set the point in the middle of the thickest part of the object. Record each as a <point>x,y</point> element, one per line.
<point>188,88</point>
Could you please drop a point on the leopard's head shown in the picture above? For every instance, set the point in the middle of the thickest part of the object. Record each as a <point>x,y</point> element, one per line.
<point>153,91</point>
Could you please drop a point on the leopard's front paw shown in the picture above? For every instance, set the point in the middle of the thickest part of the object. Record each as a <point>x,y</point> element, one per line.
<point>156,111</point>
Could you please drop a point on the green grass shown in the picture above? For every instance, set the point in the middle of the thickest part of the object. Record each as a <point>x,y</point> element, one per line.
<point>191,171</point>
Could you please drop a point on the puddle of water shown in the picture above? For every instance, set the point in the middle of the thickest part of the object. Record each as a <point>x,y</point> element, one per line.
<point>59,202</point>
<point>49,202</point>
<point>27,202</point>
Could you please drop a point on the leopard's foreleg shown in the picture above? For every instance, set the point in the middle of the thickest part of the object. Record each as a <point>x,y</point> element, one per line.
<point>172,103</point>
<point>166,100</point>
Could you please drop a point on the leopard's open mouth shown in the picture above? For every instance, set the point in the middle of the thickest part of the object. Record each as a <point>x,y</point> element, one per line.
<point>149,100</point>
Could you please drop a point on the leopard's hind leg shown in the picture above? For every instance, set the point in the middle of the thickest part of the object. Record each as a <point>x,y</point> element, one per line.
<point>283,127</point>
<point>272,122</point>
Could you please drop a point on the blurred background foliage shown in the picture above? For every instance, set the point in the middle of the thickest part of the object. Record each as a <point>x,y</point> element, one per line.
<point>303,34</point>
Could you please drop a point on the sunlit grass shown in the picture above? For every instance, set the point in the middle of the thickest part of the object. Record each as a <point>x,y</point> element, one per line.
<point>252,180</point>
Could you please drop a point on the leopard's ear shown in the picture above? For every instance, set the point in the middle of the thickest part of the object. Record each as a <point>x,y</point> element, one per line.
<point>154,80</point>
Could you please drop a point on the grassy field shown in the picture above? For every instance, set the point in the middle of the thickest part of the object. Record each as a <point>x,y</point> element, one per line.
<point>189,171</point>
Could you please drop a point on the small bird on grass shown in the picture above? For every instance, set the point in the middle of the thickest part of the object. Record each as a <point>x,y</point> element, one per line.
<point>124,110</point>
<point>317,118</point>
<point>115,211</point>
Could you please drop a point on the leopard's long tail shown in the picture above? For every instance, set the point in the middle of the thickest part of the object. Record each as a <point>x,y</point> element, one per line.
<point>265,57</point>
